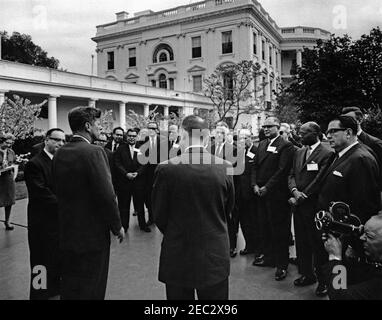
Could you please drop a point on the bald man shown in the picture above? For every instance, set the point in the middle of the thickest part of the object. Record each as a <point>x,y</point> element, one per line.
<point>273,161</point>
<point>308,163</point>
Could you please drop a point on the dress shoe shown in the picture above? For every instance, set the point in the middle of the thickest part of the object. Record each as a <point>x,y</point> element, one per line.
<point>146,229</point>
<point>149,223</point>
<point>233,253</point>
<point>304,281</point>
<point>263,263</point>
<point>8,227</point>
<point>322,290</point>
<point>280,274</point>
<point>245,252</point>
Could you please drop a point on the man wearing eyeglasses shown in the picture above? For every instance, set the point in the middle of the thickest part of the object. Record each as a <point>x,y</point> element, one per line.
<point>43,215</point>
<point>269,180</point>
<point>352,176</point>
<point>130,175</point>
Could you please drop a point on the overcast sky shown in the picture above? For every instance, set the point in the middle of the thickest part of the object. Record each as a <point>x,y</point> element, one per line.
<point>64,27</point>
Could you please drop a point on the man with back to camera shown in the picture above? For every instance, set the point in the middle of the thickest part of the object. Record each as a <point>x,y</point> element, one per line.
<point>193,197</point>
<point>269,180</point>
<point>43,216</point>
<point>308,163</point>
<point>367,289</point>
<point>87,208</point>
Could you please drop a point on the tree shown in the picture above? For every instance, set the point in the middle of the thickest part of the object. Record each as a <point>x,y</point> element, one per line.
<point>337,73</point>
<point>284,109</point>
<point>20,48</point>
<point>233,90</point>
<point>18,117</point>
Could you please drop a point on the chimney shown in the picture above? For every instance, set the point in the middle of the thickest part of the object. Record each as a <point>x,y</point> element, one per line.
<point>123,15</point>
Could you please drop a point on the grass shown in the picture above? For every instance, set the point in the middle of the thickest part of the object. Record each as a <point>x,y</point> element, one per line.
<point>21,190</point>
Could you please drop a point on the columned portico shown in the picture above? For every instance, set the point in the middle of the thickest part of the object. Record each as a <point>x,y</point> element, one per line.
<point>122,114</point>
<point>146,110</point>
<point>166,111</point>
<point>299,58</point>
<point>2,97</point>
<point>52,112</point>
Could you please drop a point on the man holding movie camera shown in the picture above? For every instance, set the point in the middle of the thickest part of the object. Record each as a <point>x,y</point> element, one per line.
<point>369,286</point>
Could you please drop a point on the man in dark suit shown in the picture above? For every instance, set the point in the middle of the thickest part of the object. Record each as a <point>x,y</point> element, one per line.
<point>87,208</point>
<point>117,139</point>
<point>130,174</point>
<point>227,151</point>
<point>369,288</point>
<point>353,176</point>
<point>273,162</point>
<point>308,163</point>
<point>174,148</point>
<point>246,202</point>
<point>43,216</point>
<point>192,199</point>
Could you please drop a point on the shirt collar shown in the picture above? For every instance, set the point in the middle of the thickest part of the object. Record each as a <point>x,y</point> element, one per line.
<point>342,152</point>
<point>314,146</point>
<point>83,138</point>
<point>359,132</point>
<point>48,153</point>
<point>273,140</point>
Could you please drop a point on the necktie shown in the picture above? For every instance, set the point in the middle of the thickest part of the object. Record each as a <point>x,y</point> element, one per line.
<point>308,152</point>
<point>132,151</point>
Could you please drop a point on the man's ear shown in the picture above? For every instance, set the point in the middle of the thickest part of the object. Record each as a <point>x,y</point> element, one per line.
<point>87,126</point>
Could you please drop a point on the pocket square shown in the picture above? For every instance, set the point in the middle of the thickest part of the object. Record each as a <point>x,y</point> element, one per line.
<point>338,174</point>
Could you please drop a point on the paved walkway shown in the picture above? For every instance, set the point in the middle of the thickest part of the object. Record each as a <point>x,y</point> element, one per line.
<point>134,268</point>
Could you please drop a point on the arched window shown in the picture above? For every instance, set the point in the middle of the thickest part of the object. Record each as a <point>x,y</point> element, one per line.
<point>162,81</point>
<point>162,56</point>
<point>158,53</point>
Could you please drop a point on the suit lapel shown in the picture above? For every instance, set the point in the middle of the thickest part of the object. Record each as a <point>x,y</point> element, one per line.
<point>312,155</point>
<point>275,144</point>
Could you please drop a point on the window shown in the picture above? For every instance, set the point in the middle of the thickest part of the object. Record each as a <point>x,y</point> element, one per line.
<point>163,57</point>
<point>132,57</point>
<point>263,49</point>
<point>270,55</point>
<point>254,43</point>
<point>227,42</point>
<point>228,85</point>
<point>171,81</point>
<point>164,52</point>
<point>153,83</point>
<point>196,47</point>
<point>110,60</point>
<point>162,81</point>
<point>197,83</point>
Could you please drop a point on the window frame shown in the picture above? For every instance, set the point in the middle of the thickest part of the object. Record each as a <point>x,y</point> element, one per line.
<point>133,59</point>
<point>227,47</point>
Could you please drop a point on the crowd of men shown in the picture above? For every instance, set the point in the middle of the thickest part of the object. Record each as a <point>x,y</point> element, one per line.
<point>197,191</point>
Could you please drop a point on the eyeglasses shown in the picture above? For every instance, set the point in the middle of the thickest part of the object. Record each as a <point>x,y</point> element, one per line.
<point>268,127</point>
<point>334,130</point>
<point>131,136</point>
<point>57,139</point>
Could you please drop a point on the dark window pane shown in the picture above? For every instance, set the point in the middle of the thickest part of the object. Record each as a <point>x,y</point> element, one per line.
<point>196,52</point>
<point>110,60</point>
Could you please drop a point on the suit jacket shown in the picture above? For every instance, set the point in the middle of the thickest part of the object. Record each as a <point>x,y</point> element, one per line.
<point>271,169</point>
<point>124,164</point>
<point>154,156</point>
<point>174,151</point>
<point>191,205</point>
<point>42,201</point>
<point>353,179</point>
<point>244,187</point>
<point>87,205</point>
<point>374,143</point>
<point>302,179</point>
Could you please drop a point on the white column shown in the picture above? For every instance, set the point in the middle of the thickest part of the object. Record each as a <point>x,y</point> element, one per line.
<point>92,103</point>
<point>267,53</point>
<point>2,97</point>
<point>279,58</point>
<point>268,88</point>
<point>122,114</point>
<point>299,58</point>
<point>259,45</point>
<point>274,57</point>
<point>52,112</point>
<point>166,111</point>
<point>146,110</point>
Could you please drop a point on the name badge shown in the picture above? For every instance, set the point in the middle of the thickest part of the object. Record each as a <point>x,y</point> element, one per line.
<point>271,149</point>
<point>338,174</point>
<point>250,154</point>
<point>312,167</point>
<point>176,146</point>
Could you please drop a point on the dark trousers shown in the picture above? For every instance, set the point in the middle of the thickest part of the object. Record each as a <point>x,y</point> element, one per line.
<point>275,223</point>
<point>249,222</point>
<point>124,194</point>
<point>217,291</point>
<point>147,196</point>
<point>84,275</point>
<point>311,254</point>
<point>44,251</point>
<point>233,227</point>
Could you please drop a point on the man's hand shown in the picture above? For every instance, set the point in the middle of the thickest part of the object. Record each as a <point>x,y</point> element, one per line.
<point>121,235</point>
<point>263,191</point>
<point>256,190</point>
<point>299,196</point>
<point>292,201</point>
<point>333,246</point>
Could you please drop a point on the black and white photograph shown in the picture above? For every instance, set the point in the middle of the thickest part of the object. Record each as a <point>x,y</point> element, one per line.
<point>174,151</point>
